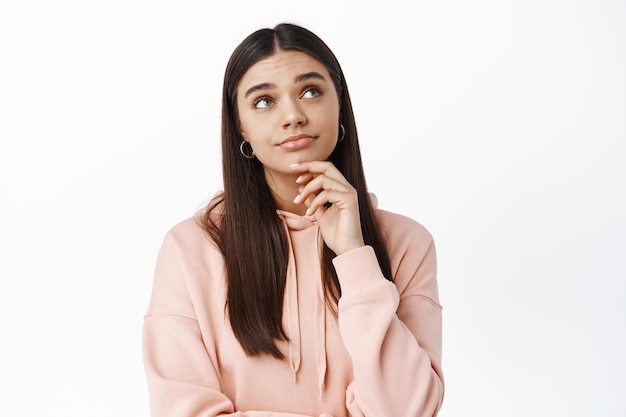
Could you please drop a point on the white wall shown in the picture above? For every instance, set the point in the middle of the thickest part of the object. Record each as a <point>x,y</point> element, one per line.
<point>498,125</point>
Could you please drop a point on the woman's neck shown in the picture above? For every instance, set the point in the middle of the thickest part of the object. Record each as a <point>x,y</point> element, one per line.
<point>284,190</point>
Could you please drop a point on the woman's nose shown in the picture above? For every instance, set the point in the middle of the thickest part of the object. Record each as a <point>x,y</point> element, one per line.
<point>293,114</point>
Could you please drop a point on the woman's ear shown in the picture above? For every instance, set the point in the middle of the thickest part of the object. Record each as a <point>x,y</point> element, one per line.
<point>240,130</point>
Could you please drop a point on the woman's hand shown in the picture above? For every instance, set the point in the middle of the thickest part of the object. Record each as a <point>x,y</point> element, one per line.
<point>333,202</point>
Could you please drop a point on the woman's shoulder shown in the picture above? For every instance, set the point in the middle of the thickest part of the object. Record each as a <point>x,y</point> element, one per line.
<point>190,227</point>
<point>398,227</point>
<point>411,250</point>
<point>192,230</point>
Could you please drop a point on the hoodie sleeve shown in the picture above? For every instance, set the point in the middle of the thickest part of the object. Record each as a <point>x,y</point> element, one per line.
<point>181,373</point>
<point>392,331</point>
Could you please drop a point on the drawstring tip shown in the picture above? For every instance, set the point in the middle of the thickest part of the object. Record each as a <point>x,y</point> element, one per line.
<point>295,375</point>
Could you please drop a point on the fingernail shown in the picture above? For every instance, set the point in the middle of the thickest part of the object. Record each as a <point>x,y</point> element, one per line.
<point>297,199</point>
<point>299,179</point>
<point>294,165</point>
<point>308,211</point>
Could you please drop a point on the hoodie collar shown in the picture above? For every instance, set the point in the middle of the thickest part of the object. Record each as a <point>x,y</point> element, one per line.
<point>295,222</point>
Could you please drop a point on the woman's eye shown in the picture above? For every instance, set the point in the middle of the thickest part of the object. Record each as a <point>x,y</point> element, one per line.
<point>312,93</point>
<point>262,103</point>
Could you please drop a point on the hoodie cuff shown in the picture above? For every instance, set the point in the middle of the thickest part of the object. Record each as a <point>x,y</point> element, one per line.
<point>357,267</point>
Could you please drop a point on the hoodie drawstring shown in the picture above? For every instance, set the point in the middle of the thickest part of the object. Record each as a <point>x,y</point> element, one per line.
<point>292,313</point>
<point>320,329</point>
<point>291,307</point>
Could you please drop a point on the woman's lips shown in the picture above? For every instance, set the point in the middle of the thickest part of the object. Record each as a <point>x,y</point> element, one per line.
<point>293,143</point>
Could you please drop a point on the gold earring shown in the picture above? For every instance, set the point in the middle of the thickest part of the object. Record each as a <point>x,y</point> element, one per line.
<point>343,133</point>
<point>243,151</point>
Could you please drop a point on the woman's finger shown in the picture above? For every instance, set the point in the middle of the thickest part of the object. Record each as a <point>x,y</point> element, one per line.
<point>325,200</point>
<point>318,184</point>
<point>317,168</point>
<point>304,178</point>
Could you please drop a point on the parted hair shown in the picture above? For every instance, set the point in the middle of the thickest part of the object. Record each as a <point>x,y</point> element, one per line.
<point>243,220</point>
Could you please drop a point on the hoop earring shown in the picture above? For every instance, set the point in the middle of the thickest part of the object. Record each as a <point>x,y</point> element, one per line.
<point>343,133</point>
<point>243,152</point>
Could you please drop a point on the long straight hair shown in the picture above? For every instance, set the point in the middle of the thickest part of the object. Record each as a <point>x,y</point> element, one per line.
<point>243,220</point>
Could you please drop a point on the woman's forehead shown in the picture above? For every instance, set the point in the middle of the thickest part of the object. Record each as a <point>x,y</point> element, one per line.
<point>283,66</point>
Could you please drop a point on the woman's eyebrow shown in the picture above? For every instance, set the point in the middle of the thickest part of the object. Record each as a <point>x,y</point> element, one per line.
<point>262,86</point>
<point>302,77</point>
<point>308,76</point>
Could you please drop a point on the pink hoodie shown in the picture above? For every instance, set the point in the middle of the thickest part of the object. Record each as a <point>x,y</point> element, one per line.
<point>381,358</point>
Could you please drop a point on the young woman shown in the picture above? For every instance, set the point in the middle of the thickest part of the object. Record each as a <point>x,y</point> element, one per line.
<point>291,294</point>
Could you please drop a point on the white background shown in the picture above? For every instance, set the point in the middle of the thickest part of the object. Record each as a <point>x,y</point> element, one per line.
<point>500,125</point>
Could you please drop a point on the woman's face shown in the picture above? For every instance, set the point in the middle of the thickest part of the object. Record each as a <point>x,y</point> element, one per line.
<point>288,111</point>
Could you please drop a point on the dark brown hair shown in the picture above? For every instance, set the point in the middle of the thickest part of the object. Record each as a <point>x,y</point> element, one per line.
<point>243,220</point>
